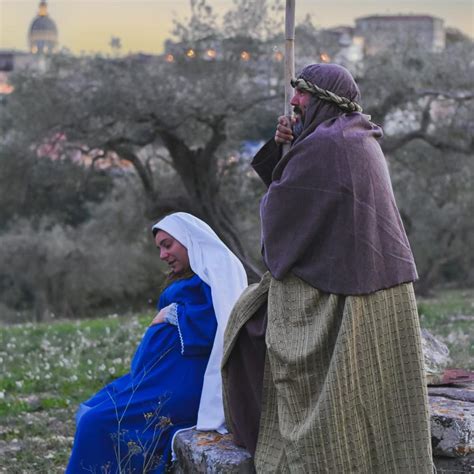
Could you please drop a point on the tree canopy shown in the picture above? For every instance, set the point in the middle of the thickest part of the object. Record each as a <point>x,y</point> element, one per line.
<point>93,149</point>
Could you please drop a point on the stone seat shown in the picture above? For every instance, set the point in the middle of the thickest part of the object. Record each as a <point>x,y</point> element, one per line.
<point>452,434</point>
<point>210,452</point>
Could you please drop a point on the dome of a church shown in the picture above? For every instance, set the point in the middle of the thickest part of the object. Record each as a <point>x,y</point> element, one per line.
<point>43,34</point>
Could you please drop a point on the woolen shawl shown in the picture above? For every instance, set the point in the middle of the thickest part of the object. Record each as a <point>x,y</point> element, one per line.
<point>217,266</point>
<point>329,215</point>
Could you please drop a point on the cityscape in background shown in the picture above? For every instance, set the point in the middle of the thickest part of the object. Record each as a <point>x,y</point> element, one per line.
<point>98,144</point>
<point>346,45</point>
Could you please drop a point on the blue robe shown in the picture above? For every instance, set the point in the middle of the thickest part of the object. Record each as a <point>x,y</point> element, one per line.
<point>130,422</point>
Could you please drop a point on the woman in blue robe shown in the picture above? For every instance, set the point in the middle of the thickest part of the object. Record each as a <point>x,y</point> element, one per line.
<point>128,426</point>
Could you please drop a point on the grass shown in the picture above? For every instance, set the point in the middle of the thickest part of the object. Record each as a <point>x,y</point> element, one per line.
<point>449,315</point>
<point>48,369</point>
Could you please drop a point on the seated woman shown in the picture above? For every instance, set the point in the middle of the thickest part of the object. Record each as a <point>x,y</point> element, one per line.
<point>174,380</point>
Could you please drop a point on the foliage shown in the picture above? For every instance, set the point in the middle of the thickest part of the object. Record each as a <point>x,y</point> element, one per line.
<point>425,104</point>
<point>396,79</point>
<point>56,269</point>
<point>35,188</point>
<point>190,115</point>
<point>76,238</point>
<point>435,194</point>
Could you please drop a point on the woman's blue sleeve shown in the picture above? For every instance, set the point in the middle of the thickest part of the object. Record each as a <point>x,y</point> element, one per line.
<point>197,323</point>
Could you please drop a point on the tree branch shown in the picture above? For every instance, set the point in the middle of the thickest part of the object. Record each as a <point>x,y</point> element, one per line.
<point>119,147</point>
<point>391,144</point>
<point>459,96</point>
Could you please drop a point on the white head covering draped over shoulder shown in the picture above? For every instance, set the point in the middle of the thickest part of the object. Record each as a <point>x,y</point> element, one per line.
<point>217,266</point>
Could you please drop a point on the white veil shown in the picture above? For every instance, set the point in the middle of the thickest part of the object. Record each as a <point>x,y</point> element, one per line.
<point>217,266</point>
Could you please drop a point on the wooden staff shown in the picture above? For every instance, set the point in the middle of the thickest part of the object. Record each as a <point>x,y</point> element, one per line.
<point>289,59</point>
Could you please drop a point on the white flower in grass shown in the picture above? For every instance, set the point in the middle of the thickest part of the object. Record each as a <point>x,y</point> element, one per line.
<point>112,370</point>
<point>45,345</point>
<point>73,378</point>
<point>19,383</point>
<point>116,361</point>
<point>2,395</point>
<point>101,367</point>
<point>89,362</point>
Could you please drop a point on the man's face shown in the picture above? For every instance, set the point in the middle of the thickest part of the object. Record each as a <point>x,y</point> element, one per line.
<point>172,252</point>
<point>300,103</point>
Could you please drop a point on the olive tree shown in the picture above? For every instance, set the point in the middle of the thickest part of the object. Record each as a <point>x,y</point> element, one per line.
<point>184,117</point>
<point>424,102</point>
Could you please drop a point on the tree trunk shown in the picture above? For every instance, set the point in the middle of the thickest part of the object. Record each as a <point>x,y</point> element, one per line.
<point>41,305</point>
<point>197,170</point>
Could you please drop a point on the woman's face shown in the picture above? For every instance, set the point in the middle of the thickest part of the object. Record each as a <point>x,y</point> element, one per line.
<point>172,252</point>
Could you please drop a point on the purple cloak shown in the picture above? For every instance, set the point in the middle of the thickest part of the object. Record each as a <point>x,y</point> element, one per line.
<point>329,215</point>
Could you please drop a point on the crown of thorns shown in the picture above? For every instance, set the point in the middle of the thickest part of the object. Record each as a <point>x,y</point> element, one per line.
<point>323,94</point>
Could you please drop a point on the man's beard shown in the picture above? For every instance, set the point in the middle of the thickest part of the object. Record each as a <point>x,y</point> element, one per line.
<point>298,125</point>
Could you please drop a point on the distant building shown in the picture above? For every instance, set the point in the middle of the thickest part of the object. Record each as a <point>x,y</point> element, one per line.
<point>42,40</point>
<point>11,60</point>
<point>381,32</point>
<point>43,33</point>
<point>349,48</point>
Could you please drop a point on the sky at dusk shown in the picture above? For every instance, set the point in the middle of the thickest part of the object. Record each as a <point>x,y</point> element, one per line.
<point>143,25</point>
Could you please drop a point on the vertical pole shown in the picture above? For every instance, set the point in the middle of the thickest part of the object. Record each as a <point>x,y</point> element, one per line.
<point>289,59</point>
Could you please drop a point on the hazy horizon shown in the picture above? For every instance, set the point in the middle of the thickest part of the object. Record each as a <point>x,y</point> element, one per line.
<point>143,25</point>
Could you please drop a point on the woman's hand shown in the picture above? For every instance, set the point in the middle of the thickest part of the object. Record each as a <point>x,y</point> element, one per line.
<point>283,133</point>
<point>159,318</point>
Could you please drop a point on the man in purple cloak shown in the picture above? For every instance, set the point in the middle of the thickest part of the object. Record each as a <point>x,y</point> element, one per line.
<point>323,367</point>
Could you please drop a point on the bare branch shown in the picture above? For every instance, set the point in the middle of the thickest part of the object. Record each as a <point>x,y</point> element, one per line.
<point>459,96</point>
<point>391,144</point>
<point>120,147</point>
<point>162,158</point>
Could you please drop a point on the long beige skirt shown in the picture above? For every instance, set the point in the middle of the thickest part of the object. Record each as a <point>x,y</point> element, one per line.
<point>344,388</point>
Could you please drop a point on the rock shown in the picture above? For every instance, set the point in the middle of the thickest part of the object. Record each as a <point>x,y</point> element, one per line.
<point>464,393</point>
<point>210,452</point>
<point>452,434</point>
<point>453,377</point>
<point>454,465</point>
<point>436,355</point>
<point>452,425</point>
